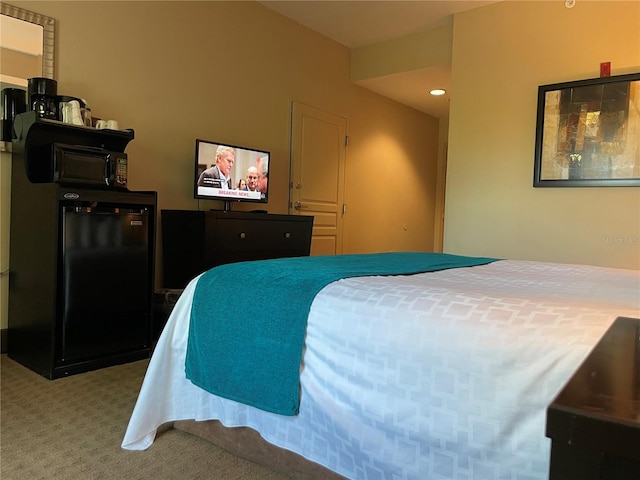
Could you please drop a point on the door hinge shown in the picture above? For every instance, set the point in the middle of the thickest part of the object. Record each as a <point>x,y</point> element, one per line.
<point>344,208</point>
<point>346,140</point>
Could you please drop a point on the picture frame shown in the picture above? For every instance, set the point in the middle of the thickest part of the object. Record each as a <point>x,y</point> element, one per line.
<point>588,133</point>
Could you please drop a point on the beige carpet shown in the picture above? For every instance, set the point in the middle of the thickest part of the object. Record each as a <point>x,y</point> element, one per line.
<point>71,428</point>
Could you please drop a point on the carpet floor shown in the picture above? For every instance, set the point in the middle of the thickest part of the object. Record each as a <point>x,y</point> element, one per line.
<point>71,428</point>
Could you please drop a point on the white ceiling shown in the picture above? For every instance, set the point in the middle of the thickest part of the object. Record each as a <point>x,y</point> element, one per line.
<point>366,22</point>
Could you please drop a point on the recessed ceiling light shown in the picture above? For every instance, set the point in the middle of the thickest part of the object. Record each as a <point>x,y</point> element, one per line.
<point>437,92</point>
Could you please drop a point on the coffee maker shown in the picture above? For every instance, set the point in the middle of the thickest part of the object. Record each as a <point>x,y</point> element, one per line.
<point>42,97</point>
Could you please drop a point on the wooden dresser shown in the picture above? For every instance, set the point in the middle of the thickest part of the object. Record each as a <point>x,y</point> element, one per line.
<point>194,241</point>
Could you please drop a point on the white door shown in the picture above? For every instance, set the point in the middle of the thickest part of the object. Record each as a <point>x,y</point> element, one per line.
<point>318,156</point>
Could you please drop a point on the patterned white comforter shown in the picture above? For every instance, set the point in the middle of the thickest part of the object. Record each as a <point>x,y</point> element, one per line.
<point>443,375</point>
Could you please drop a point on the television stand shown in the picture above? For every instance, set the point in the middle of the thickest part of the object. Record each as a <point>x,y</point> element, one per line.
<point>195,241</point>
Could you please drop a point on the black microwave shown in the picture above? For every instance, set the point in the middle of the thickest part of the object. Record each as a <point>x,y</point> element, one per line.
<point>78,164</point>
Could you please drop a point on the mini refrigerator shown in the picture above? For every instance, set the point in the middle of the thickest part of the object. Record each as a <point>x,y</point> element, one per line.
<point>105,281</point>
<point>81,279</point>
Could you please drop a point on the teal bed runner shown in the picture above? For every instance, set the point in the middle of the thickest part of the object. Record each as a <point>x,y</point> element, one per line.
<point>249,319</point>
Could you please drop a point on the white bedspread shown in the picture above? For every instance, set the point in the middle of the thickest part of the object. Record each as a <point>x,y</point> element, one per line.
<point>443,375</point>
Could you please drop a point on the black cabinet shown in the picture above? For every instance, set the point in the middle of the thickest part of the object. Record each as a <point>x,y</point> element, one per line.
<point>194,241</point>
<point>81,263</point>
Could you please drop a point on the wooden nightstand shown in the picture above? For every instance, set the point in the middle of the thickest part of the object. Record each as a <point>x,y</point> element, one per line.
<point>594,423</point>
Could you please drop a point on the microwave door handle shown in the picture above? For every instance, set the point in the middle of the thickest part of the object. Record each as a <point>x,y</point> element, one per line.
<point>107,170</point>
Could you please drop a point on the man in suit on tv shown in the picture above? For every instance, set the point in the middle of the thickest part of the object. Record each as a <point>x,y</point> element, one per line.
<point>252,179</point>
<point>219,175</point>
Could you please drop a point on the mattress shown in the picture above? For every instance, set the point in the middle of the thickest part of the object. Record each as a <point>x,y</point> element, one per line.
<point>441,375</point>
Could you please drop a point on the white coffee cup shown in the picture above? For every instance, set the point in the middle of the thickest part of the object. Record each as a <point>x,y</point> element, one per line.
<point>107,124</point>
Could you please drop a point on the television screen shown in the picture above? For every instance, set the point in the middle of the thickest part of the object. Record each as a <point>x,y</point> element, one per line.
<point>231,173</point>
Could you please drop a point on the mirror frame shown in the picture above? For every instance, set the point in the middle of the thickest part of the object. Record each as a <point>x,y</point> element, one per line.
<point>48,37</point>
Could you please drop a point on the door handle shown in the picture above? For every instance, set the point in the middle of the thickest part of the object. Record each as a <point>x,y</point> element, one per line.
<point>299,206</point>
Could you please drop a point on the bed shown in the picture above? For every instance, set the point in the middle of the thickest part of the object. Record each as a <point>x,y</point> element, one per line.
<point>444,374</point>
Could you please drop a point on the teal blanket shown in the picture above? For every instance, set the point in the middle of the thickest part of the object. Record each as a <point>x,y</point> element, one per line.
<point>249,319</point>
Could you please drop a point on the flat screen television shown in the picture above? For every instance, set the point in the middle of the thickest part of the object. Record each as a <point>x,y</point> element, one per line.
<point>230,173</point>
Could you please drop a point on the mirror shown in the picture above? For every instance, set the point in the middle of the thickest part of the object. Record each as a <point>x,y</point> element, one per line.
<point>27,42</point>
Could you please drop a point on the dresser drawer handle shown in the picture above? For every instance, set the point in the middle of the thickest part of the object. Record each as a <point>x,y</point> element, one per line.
<point>287,235</point>
<point>242,235</point>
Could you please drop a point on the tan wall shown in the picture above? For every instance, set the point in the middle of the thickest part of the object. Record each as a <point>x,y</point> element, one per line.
<point>501,54</point>
<point>228,71</point>
<point>411,52</point>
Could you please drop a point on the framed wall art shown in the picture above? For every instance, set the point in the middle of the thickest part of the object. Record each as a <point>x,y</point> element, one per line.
<point>588,133</point>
